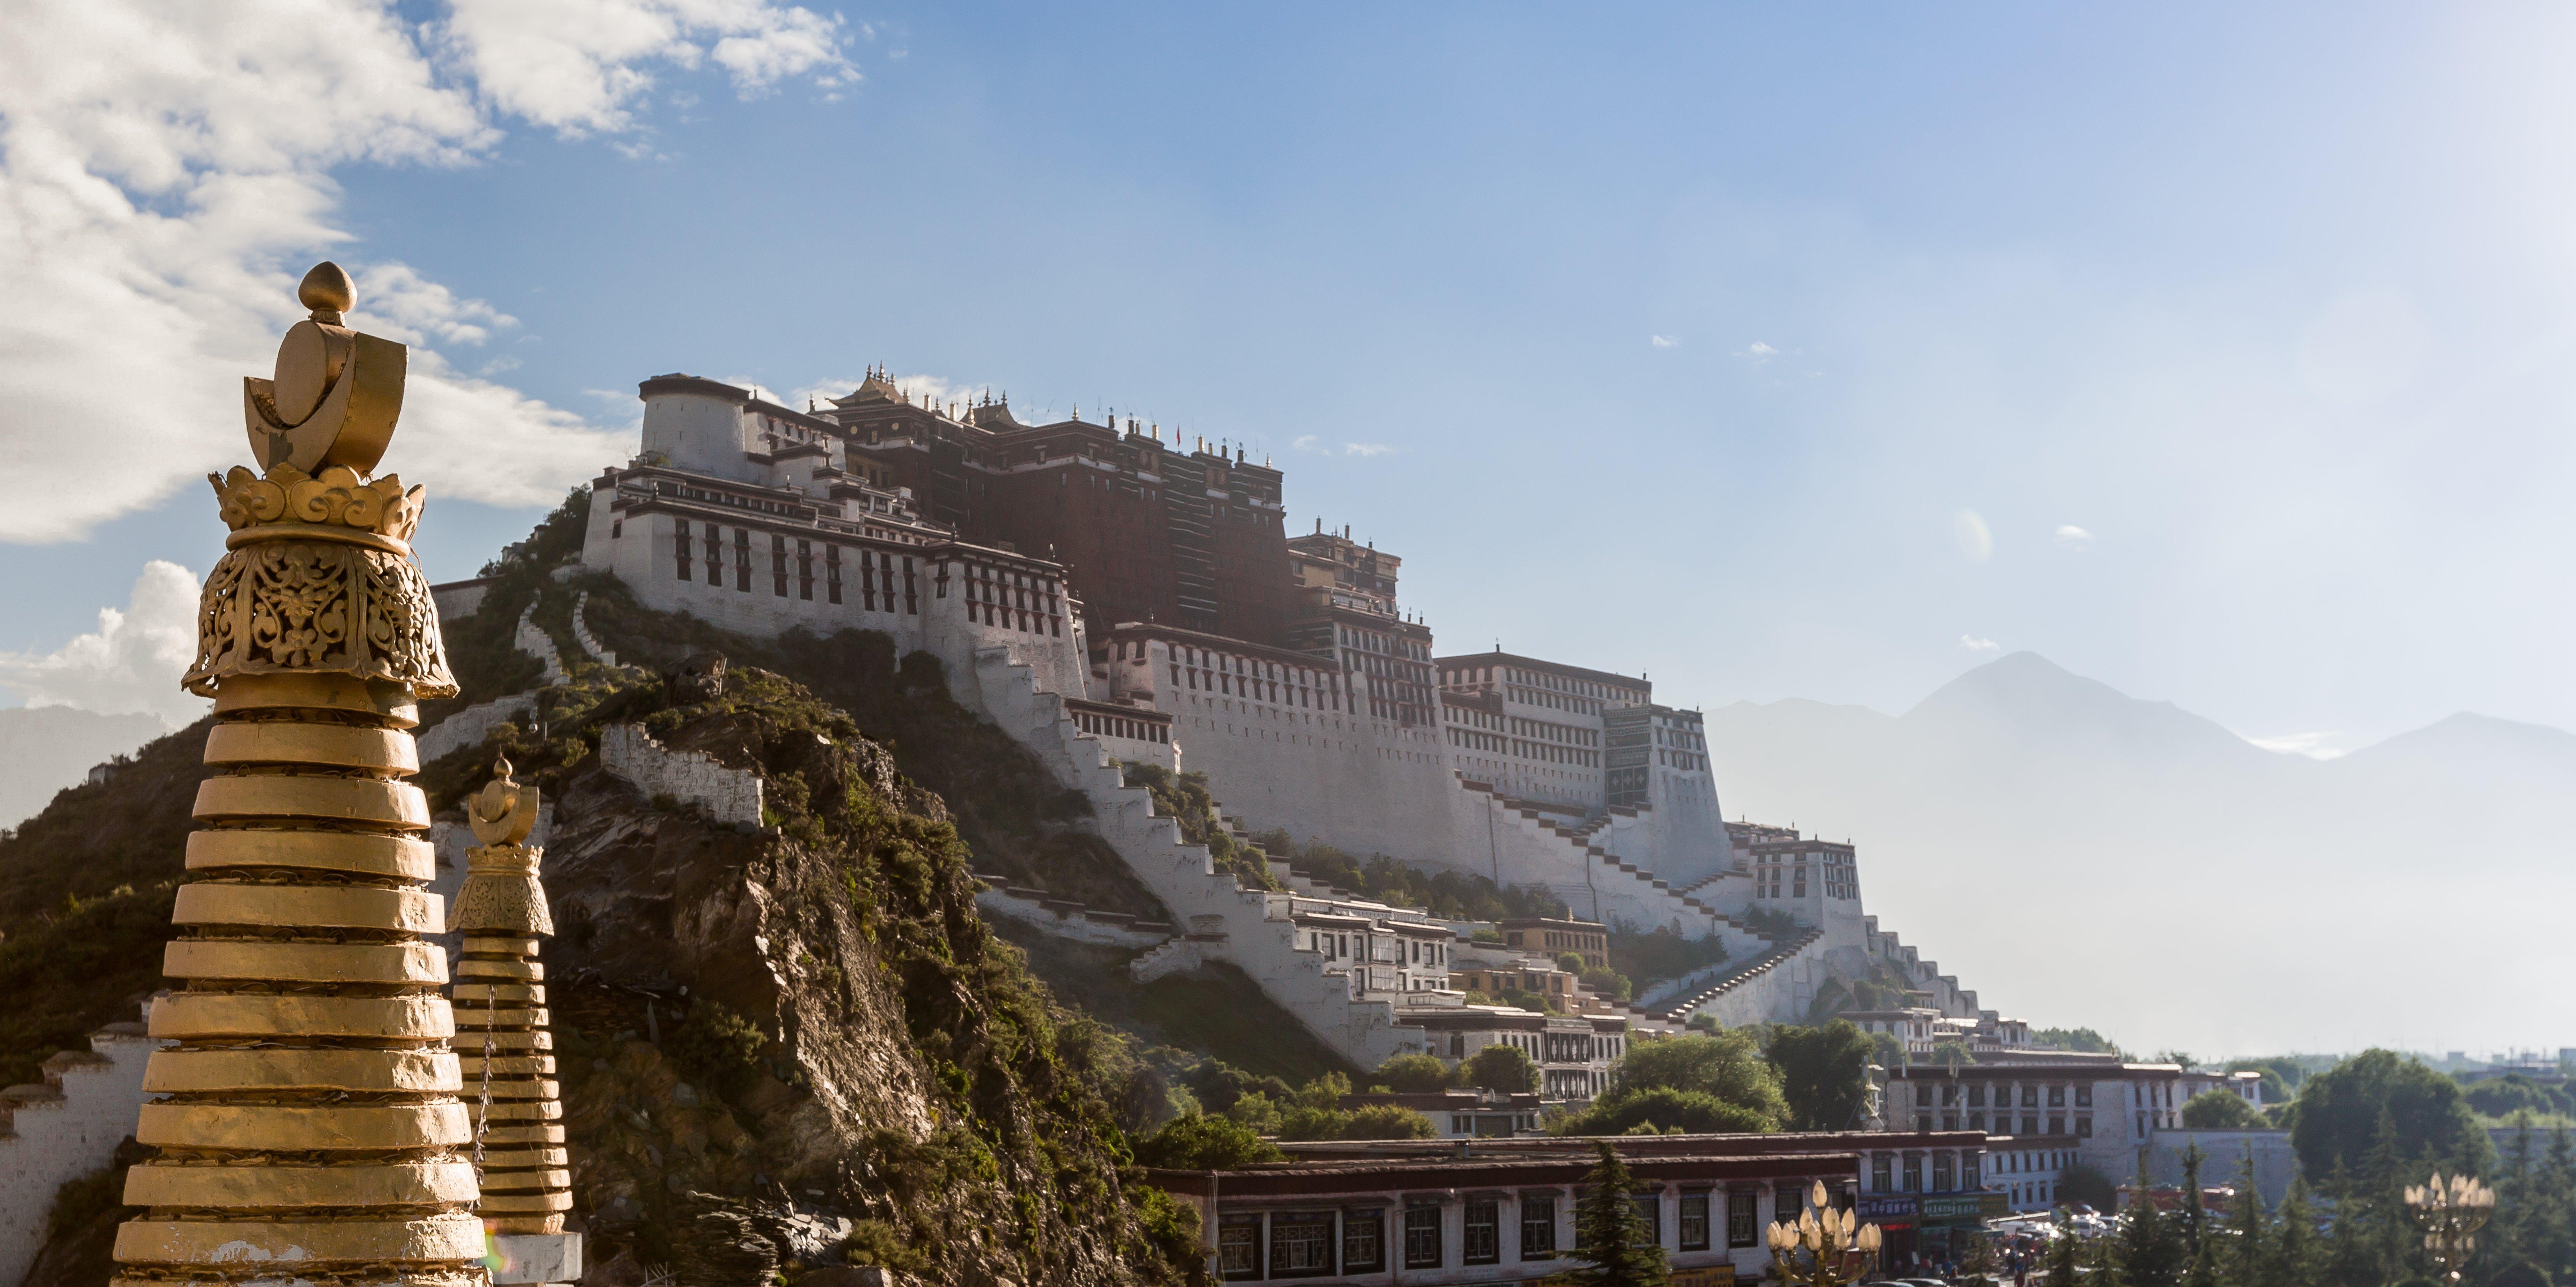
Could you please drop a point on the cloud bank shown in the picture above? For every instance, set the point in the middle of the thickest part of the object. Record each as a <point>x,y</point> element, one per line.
<point>166,175</point>
<point>131,663</point>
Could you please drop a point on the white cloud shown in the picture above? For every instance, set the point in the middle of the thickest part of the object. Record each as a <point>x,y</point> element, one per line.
<point>1365,449</point>
<point>1308,442</point>
<point>2316,746</point>
<point>1975,540</point>
<point>1666,342</point>
<point>132,662</point>
<point>2074,538</point>
<point>578,66</point>
<point>1757,352</point>
<point>1975,644</point>
<point>166,175</point>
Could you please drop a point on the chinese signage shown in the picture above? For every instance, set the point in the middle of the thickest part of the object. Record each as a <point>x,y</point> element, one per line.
<point>1888,1206</point>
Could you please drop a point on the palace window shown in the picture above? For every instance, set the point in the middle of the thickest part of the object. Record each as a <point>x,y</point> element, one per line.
<point>1694,1222</point>
<point>1482,1241</point>
<point>1422,1237</point>
<point>680,546</point>
<point>1238,1246</point>
<point>742,559</point>
<point>1363,1242</point>
<point>1301,1244</point>
<point>832,573</point>
<point>805,570</point>
<point>715,555</point>
<point>1743,1221</point>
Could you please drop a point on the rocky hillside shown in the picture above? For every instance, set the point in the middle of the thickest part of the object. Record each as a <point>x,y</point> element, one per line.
<point>783,1045</point>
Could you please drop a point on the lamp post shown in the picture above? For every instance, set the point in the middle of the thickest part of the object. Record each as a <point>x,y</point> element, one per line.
<point>2451,1212</point>
<point>1823,1247</point>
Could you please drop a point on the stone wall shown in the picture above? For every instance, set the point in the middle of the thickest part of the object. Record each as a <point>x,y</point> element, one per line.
<point>63,1128</point>
<point>728,796</point>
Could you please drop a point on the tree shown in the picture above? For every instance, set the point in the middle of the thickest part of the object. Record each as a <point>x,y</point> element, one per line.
<point>1660,1109</point>
<point>1504,1069</point>
<point>2065,1256</point>
<point>1726,1064</point>
<point>2335,1123</point>
<point>2248,1242</point>
<point>1823,1074</point>
<point>1413,1074</point>
<point>1200,1143</point>
<point>1609,1231</point>
<point>2200,1253</point>
<point>2293,1259</point>
<point>1952,1054</point>
<point>1384,1122</point>
<point>1571,963</point>
<point>2219,1110</point>
<point>2148,1250</point>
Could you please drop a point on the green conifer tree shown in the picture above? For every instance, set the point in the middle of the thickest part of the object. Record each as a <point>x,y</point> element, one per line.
<point>2295,1260</point>
<point>2553,1200</point>
<point>2148,1251</point>
<point>1614,1250</point>
<point>2248,1244</point>
<point>2065,1255</point>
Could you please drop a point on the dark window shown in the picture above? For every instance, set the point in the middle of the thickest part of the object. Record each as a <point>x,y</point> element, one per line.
<point>1482,1241</point>
<point>804,569</point>
<point>778,567</point>
<point>832,572</point>
<point>1538,1228</point>
<point>2057,1097</point>
<point>1943,1179</point>
<point>1880,1178</point>
<point>2084,1127</point>
<point>1694,1221</point>
<point>1238,1246</point>
<point>1976,1096</point>
<point>1914,1173</point>
<point>1363,1242</point>
<point>742,559</point>
<point>2056,1125</point>
<point>1650,1218</point>
<point>1422,1237</point>
<point>715,555</point>
<point>1743,1222</point>
<point>2083,1096</point>
<point>2030,1126</point>
<point>1301,1244</point>
<point>680,546</point>
<point>1787,1201</point>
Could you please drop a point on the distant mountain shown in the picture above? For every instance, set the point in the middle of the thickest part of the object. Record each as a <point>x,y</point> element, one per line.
<point>46,748</point>
<point>2083,857</point>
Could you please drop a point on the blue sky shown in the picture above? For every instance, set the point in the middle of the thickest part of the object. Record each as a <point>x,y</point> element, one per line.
<point>1812,351</point>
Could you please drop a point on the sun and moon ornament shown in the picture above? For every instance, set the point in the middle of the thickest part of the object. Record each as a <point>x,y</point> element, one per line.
<point>1823,1247</point>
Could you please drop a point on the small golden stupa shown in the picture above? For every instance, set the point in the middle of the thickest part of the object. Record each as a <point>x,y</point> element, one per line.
<point>308,1115</point>
<point>504,1043</point>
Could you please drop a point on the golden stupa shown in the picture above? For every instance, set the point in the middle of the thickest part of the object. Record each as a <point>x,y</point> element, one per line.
<point>308,1115</point>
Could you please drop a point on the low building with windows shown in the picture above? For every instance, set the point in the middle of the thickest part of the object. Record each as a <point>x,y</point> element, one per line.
<point>1436,1212</point>
<point>1574,1054</point>
<point>1553,938</point>
<point>2028,1170</point>
<point>2109,1109</point>
<point>1470,1112</point>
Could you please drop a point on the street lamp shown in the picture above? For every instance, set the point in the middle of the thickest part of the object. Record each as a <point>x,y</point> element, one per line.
<point>2451,1212</point>
<point>1824,1247</point>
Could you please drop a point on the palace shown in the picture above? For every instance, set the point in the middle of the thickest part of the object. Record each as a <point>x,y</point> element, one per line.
<point>1108,597</point>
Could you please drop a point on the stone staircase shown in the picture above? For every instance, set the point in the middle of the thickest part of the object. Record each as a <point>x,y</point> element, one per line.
<point>1222,920</point>
<point>1754,974</point>
<point>1623,882</point>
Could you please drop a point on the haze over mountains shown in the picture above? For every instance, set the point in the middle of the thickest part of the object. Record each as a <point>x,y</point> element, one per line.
<point>2086,858</point>
<point>46,748</point>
